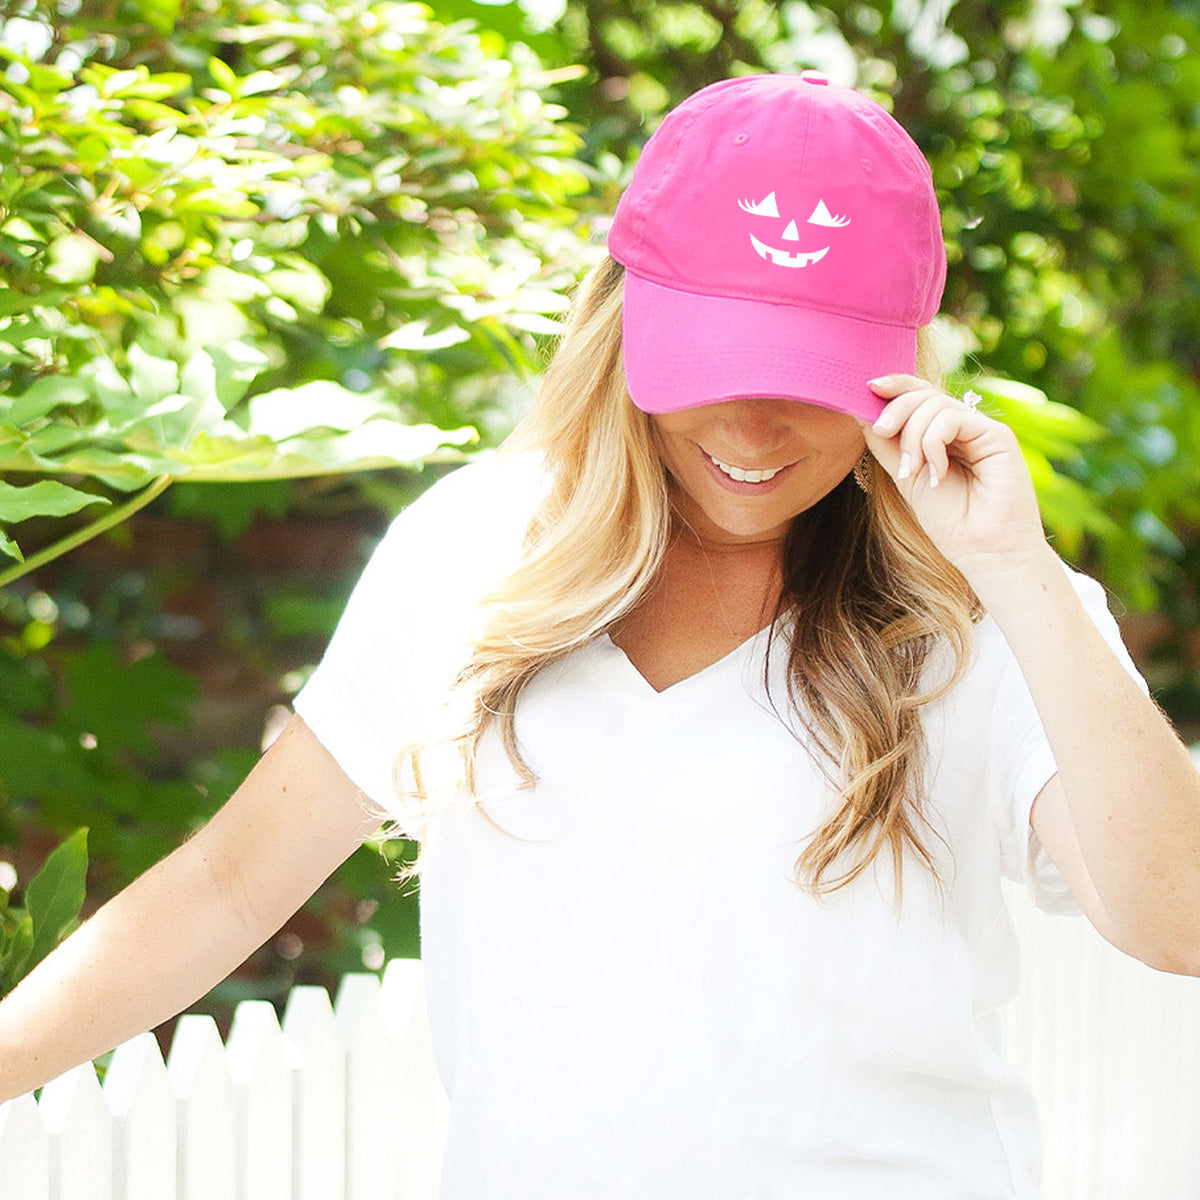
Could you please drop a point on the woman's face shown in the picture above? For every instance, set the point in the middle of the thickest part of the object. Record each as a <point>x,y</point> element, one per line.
<point>746,468</point>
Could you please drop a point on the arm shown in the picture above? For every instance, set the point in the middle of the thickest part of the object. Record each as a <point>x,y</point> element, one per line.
<point>1121,819</point>
<point>187,922</point>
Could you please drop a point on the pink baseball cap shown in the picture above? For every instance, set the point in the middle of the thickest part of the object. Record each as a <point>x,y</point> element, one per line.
<point>781,238</point>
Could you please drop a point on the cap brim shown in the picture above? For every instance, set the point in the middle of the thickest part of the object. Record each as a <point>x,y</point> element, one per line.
<point>683,349</point>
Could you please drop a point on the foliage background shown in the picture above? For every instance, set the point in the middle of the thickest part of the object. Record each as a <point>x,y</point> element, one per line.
<point>250,248</point>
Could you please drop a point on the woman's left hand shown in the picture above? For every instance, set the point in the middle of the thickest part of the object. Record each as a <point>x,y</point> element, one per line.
<point>963,474</point>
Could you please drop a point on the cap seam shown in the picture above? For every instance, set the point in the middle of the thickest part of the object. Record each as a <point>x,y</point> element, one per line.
<point>762,299</point>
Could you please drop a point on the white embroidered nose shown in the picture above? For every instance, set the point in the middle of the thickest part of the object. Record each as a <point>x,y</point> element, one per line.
<point>791,233</point>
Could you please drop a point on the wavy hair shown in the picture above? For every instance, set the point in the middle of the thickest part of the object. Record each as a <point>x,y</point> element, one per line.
<point>874,595</point>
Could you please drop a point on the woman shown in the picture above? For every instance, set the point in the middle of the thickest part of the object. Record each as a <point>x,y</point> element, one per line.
<point>720,714</point>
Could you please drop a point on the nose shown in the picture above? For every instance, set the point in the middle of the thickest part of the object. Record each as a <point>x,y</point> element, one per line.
<point>758,427</point>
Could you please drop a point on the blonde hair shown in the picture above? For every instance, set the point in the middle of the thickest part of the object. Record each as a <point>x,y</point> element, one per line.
<point>875,593</point>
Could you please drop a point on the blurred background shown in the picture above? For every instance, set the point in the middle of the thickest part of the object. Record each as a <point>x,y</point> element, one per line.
<point>269,268</point>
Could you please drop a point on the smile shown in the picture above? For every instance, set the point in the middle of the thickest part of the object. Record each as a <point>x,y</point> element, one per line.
<point>742,475</point>
<point>781,258</point>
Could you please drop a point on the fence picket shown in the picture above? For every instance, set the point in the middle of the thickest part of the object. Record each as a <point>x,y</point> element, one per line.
<point>24,1151</point>
<point>1103,1039</point>
<point>80,1129</point>
<point>204,1112</point>
<point>374,1087</point>
<point>262,1081</point>
<point>138,1093</point>
<point>422,1108</point>
<point>319,1084</point>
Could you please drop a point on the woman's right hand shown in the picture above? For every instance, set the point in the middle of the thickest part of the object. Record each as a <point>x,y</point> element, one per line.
<point>189,921</point>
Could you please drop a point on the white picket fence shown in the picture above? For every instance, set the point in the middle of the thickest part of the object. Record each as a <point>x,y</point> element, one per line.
<point>343,1101</point>
<point>1112,1052</point>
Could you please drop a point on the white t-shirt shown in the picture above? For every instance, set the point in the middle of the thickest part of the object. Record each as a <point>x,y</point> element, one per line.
<point>629,996</point>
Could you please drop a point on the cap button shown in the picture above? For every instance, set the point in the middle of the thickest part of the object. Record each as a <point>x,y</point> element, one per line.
<point>815,77</point>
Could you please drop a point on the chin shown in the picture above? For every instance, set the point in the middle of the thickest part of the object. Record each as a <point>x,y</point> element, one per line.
<point>744,526</point>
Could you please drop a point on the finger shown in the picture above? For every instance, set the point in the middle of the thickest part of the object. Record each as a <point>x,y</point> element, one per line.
<point>885,438</point>
<point>924,440</point>
<point>914,439</point>
<point>887,387</point>
<point>943,429</point>
<point>901,407</point>
<point>886,450</point>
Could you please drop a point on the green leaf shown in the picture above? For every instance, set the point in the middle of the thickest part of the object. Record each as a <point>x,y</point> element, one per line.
<point>46,498</point>
<point>375,445</point>
<point>224,76</point>
<point>157,87</point>
<point>12,301</point>
<point>122,470</point>
<point>73,258</point>
<point>153,378</point>
<point>14,951</point>
<point>162,14</point>
<point>288,412</point>
<point>237,366</point>
<point>46,79</point>
<point>55,895</point>
<point>1056,430</point>
<point>260,82</point>
<point>42,397</point>
<point>10,548</point>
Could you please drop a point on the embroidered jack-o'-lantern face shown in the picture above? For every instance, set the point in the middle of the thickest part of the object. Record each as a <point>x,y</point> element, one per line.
<point>781,256</point>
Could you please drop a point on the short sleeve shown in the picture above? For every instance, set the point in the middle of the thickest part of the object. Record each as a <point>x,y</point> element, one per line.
<point>406,628</point>
<point>1022,762</point>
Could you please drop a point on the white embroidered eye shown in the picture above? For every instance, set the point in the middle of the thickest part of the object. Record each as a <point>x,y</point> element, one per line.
<point>822,216</point>
<point>762,208</point>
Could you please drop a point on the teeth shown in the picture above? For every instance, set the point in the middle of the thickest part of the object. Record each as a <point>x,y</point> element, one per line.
<point>745,476</point>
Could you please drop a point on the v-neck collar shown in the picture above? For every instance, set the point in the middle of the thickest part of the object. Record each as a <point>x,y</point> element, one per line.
<point>698,678</point>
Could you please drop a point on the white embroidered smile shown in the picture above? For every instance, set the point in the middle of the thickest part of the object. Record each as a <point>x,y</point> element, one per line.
<point>744,476</point>
<point>782,258</point>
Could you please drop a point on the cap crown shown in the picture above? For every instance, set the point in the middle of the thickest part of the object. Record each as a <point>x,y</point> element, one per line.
<point>788,189</point>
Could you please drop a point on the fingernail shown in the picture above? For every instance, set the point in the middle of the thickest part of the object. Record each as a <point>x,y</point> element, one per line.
<point>884,423</point>
<point>933,478</point>
<point>882,381</point>
<point>905,466</point>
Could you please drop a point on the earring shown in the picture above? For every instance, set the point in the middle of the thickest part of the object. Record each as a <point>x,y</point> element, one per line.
<point>862,472</point>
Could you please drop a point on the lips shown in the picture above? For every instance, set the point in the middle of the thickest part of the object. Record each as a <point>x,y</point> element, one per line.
<point>744,476</point>
<point>744,481</point>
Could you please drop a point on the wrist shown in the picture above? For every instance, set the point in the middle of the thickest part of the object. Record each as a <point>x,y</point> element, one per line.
<point>1008,584</point>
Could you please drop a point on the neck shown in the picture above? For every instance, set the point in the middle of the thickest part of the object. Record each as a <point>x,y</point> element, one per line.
<point>744,577</point>
<point>749,556</point>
